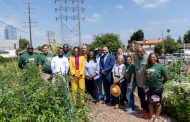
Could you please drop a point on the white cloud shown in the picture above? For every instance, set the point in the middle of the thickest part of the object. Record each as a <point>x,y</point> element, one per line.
<point>150,3</point>
<point>96,17</point>
<point>120,7</point>
<point>181,20</point>
<point>138,2</point>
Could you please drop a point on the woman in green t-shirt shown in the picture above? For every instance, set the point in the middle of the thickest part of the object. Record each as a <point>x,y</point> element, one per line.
<point>156,76</point>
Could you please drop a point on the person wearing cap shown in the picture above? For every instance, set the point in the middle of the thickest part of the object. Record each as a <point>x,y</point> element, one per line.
<point>45,62</point>
<point>67,53</point>
<point>118,73</point>
<point>140,61</point>
<point>28,58</point>
<point>107,62</point>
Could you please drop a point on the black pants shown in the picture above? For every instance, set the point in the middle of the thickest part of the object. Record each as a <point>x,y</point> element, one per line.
<point>92,88</point>
<point>144,103</point>
<point>120,100</point>
<point>89,87</point>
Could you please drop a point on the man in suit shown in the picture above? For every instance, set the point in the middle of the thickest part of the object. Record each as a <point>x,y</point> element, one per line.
<point>107,62</point>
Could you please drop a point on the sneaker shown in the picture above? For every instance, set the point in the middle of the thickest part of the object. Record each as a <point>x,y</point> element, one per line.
<point>141,112</point>
<point>116,106</point>
<point>147,115</point>
<point>127,109</point>
<point>130,111</point>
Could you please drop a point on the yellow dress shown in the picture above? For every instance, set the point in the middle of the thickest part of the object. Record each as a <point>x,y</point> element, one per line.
<point>77,85</point>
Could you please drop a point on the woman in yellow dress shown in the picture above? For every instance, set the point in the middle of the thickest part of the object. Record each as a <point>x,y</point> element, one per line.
<point>77,66</point>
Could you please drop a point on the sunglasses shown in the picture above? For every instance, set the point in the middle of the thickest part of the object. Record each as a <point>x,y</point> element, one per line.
<point>29,48</point>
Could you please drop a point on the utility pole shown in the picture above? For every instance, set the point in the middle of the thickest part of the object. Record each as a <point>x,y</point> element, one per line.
<point>61,20</point>
<point>29,22</point>
<point>50,36</point>
<point>163,47</point>
<point>65,14</point>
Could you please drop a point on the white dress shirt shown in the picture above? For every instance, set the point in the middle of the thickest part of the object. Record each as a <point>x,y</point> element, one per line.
<point>60,65</point>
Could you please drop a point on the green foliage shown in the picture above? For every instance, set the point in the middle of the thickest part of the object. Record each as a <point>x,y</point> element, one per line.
<point>40,48</point>
<point>186,37</point>
<point>6,60</point>
<point>137,36</point>
<point>54,46</point>
<point>170,46</point>
<point>24,96</point>
<point>23,43</point>
<point>176,101</point>
<point>179,40</point>
<point>174,70</point>
<point>111,40</point>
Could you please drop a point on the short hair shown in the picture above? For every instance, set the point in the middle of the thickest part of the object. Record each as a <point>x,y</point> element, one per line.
<point>60,48</point>
<point>45,45</point>
<point>66,45</point>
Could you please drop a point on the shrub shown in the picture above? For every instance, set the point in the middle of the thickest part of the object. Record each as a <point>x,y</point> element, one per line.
<point>176,100</point>
<point>25,96</point>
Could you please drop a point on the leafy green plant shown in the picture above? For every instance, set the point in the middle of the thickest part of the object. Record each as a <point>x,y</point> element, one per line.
<point>176,102</point>
<point>25,96</point>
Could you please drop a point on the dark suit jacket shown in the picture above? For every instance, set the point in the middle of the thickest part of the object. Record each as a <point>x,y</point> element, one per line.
<point>107,66</point>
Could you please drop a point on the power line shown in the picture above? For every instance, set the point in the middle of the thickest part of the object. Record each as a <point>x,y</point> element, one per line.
<point>12,26</point>
<point>64,9</point>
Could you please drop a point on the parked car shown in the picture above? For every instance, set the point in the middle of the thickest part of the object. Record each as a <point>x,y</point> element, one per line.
<point>168,59</point>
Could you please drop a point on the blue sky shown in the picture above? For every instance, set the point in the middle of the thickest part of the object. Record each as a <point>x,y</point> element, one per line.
<point>122,17</point>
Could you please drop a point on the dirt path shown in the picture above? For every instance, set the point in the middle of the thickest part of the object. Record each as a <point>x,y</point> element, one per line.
<point>105,113</point>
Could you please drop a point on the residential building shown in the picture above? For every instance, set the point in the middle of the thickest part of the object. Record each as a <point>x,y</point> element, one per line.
<point>146,44</point>
<point>8,48</point>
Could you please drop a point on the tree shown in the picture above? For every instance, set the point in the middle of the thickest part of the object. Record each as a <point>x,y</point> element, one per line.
<point>168,31</point>
<point>169,44</point>
<point>111,40</point>
<point>40,48</point>
<point>23,43</point>
<point>186,37</point>
<point>179,40</point>
<point>137,36</point>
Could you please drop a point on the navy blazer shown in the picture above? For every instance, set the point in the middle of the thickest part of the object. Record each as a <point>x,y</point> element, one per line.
<point>107,66</point>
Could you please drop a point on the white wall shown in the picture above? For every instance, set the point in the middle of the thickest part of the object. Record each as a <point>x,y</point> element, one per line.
<point>9,44</point>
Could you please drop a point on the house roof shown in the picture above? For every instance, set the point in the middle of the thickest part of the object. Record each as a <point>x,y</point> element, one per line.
<point>148,42</point>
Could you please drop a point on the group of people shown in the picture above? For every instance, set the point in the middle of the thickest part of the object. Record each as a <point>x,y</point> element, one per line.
<point>98,73</point>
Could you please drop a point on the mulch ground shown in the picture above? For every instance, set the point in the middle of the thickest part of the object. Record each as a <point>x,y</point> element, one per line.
<point>106,113</point>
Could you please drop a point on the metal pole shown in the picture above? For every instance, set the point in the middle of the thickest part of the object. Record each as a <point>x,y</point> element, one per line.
<point>61,14</point>
<point>30,27</point>
<point>163,47</point>
<point>79,24</point>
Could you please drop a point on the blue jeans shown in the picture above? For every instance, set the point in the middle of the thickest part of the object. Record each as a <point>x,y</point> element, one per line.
<point>130,95</point>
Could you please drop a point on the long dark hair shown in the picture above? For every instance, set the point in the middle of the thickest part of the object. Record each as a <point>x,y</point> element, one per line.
<point>157,61</point>
<point>88,56</point>
<point>73,51</point>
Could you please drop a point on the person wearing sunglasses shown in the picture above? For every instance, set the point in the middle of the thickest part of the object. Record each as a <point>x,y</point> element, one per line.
<point>28,58</point>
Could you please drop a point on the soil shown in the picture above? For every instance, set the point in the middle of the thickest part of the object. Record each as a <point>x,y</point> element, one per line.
<point>106,113</point>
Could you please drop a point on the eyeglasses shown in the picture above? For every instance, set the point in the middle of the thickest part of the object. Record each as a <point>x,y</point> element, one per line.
<point>29,48</point>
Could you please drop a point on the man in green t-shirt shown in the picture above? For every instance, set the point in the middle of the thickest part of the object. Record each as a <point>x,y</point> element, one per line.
<point>45,62</point>
<point>28,58</point>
